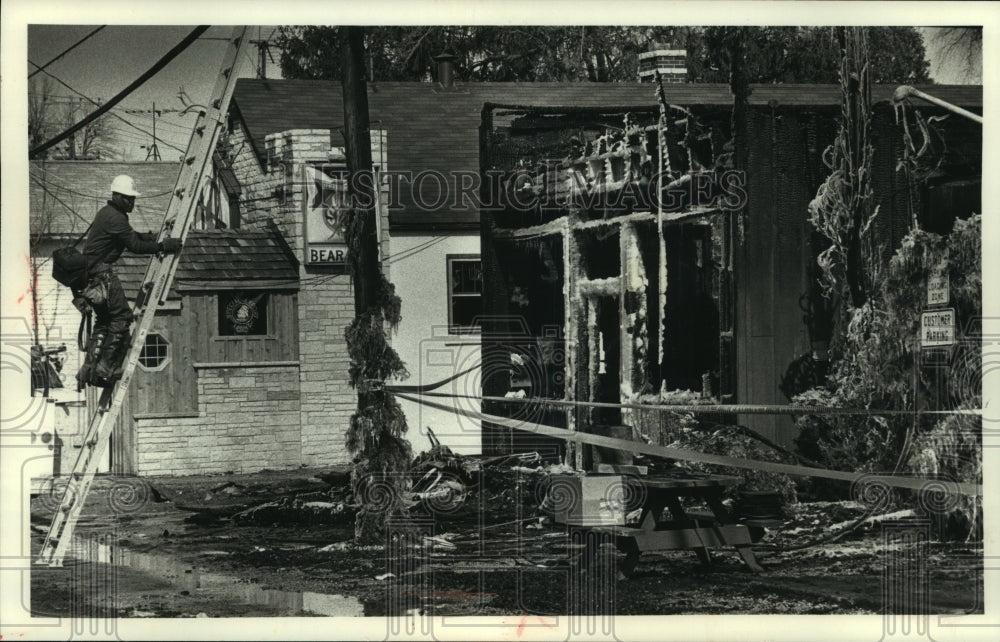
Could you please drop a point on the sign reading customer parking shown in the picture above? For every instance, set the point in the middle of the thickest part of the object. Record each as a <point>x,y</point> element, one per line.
<point>327,205</point>
<point>937,328</point>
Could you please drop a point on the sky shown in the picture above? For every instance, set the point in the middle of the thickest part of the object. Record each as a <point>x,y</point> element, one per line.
<point>110,59</point>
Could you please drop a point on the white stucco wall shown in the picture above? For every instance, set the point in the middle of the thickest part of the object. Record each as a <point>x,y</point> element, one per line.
<point>431,354</point>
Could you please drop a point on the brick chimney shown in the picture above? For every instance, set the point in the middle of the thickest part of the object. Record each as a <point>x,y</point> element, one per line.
<point>446,69</point>
<point>671,63</point>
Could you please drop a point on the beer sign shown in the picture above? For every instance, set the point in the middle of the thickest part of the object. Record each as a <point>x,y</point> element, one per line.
<point>326,204</point>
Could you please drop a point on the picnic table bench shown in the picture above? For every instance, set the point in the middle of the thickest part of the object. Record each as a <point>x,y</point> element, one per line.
<point>699,531</point>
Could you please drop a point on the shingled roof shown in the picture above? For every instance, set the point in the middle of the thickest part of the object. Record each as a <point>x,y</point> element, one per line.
<point>433,128</point>
<point>223,256</point>
<point>65,195</point>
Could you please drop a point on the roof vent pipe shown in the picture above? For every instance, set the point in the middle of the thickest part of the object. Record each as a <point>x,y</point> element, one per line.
<point>446,69</point>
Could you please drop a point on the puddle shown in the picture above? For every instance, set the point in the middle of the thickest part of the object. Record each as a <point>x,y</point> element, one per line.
<point>188,578</point>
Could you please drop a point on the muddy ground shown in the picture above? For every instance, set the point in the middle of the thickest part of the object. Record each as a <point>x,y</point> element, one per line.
<point>181,554</point>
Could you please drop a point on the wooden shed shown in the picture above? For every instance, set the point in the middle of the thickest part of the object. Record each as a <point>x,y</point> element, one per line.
<point>231,308</point>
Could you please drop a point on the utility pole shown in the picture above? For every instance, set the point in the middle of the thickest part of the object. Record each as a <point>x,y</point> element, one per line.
<point>375,435</point>
<point>263,55</point>
<point>154,151</point>
<point>357,137</point>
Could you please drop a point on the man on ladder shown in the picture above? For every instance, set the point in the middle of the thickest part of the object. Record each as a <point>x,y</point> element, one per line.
<point>110,234</point>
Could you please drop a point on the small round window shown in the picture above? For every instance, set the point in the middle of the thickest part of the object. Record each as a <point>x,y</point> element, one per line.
<point>154,352</point>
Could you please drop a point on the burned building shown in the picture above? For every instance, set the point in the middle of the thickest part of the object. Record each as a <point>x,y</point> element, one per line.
<point>639,255</point>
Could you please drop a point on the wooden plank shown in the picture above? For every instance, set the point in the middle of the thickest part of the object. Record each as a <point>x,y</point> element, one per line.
<point>186,381</point>
<point>217,347</point>
<point>243,364</point>
<point>757,387</point>
<point>552,228</point>
<point>626,355</point>
<point>293,322</point>
<point>249,284</point>
<point>233,350</point>
<point>682,484</point>
<point>698,537</point>
<point>198,327</point>
<point>609,286</point>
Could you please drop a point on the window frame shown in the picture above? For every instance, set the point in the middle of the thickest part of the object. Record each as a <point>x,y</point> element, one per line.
<point>271,332</point>
<point>166,357</point>
<point>454,328</point>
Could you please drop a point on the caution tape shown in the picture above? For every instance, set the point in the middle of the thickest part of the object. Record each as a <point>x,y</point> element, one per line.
<point>423,389</point>
<point>864,479</point>
<point>735,409</point>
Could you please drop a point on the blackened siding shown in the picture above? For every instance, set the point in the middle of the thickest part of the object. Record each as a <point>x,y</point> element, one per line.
<point>771,273</point>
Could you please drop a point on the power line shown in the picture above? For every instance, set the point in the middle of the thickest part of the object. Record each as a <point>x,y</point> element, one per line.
<point>413,251</point>
<point>160,64</point>
<point>74,46</point>
<point>59,200</point>
<point>63,188</point>
<point>111,112</point>
<point>150,111</point>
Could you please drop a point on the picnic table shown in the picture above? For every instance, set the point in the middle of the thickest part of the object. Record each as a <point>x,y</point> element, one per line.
<point>699,531</point>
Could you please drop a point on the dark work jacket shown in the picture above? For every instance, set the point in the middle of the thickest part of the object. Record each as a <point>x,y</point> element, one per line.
<point>111,234</point>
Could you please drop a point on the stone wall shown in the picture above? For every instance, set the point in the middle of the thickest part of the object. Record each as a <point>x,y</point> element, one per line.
<point>248,420</point>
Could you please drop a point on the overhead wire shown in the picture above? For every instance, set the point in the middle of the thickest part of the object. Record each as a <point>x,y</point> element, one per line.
<point>94,196</point>
<point>111,112</point>
<point>157,66</point>
<point>72,211</point>
<point>411,252</point>
<point>66,51</point>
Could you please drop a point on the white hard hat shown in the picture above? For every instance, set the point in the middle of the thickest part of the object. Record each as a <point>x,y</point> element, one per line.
<point>124,185</point>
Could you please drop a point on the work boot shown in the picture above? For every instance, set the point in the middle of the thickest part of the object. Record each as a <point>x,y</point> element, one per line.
<point>108,369</point>
<point>95,345</point>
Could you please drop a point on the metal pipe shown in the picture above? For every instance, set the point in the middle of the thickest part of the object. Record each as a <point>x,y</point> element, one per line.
<point>905,91</point>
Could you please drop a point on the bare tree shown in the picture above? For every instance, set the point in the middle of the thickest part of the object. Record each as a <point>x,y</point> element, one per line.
<point>40,112</point>
<point>962,43</point>
<point>94,141</point>
<point>49,114</point>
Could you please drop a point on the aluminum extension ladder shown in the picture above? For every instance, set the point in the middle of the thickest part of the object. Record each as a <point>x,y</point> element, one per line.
<point>156,284</point>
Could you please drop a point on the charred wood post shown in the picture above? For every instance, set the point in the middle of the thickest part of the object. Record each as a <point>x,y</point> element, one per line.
<point>740,88</point>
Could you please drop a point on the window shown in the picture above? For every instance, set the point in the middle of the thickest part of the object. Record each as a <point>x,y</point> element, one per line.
<point>155,352</point>
<point>465,292</point>
<point>242,313</point>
